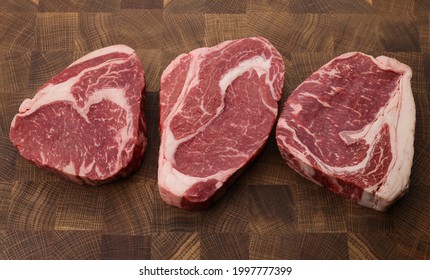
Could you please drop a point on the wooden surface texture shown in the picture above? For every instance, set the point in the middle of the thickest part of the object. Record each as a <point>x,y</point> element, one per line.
<point>270,212</point>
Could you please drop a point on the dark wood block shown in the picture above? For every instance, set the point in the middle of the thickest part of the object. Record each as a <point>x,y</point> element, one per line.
<point>93,6</point>
<point>305,246</point>
<point>8,155</point>
<point>320,210</point>
<point>125,247</point>
<point>273,210</point>
<point>231,213</point>
<point>167,218</point>
<point>5,197</point>
<point>224,246</point>
<point>128,208</point>
<point>374,33</point>
<point>142,4</point>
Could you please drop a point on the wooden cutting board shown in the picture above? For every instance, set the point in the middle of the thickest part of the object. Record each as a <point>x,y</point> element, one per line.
<point>270,212</point>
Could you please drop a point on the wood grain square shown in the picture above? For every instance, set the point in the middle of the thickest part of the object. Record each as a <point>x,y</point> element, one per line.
<point>26,245</point>
<point>304,246</point>
<point>325,246</point>
<point>226,6</point>
<point>8,155</point>
<point>273,210</point>
<point>168,218</point>
<point>425,107</point>
<point>151,63</point>
<point>184,6</point>
<point>56,31</point>
<point>274,247</point>
<point>311,6</point>
<point>230,214</point>
<point>330,6</point>
<point>407,26</point>
<point>75,245</point>
<point>373,33</point>
<point>267,5</point>
<point>424,32</point>
<point>33,206</point>
<point>128,208</point>
<point>361,219</point>
<point>421,7</point>
<point>5,197</point>
<point>183,33</point>
<point>18,6</point>
<point>96,30</point>
<point>125,247</point>
<point>394,7</point>
<point>283,31</point>
<point>140,29</point>
<point>175,246</point>
<point>79,207</point>
<point>319,210</point>
<point>2,244</point>
<point>222,27</point>
<point>142,4</point>
<point>392,246</point>
<point>404,213</point>
<point>79,6</point>
<point>13,73</point>
<point>205,6</point>
<point>224,246</point>
<point>416,248</point>
<point>17,31</point>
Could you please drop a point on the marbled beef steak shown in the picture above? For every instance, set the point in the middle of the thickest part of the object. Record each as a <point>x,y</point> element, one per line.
<point>217,108</point>
<point>87,123</point>
<point>350,128</point>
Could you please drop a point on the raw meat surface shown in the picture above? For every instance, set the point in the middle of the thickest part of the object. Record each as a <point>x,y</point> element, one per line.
<point>217,108</point>
<point>87,122</point>
<point>350,128</point>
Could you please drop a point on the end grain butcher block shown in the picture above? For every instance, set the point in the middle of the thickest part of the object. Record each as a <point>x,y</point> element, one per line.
<point>217,108</point>
<point>350,127</point>
<point>86,124</point>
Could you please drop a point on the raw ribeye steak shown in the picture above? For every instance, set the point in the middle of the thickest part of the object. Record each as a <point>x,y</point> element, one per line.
<point>87,122</point>
<point>217,108</point>
<point>350,128</point>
